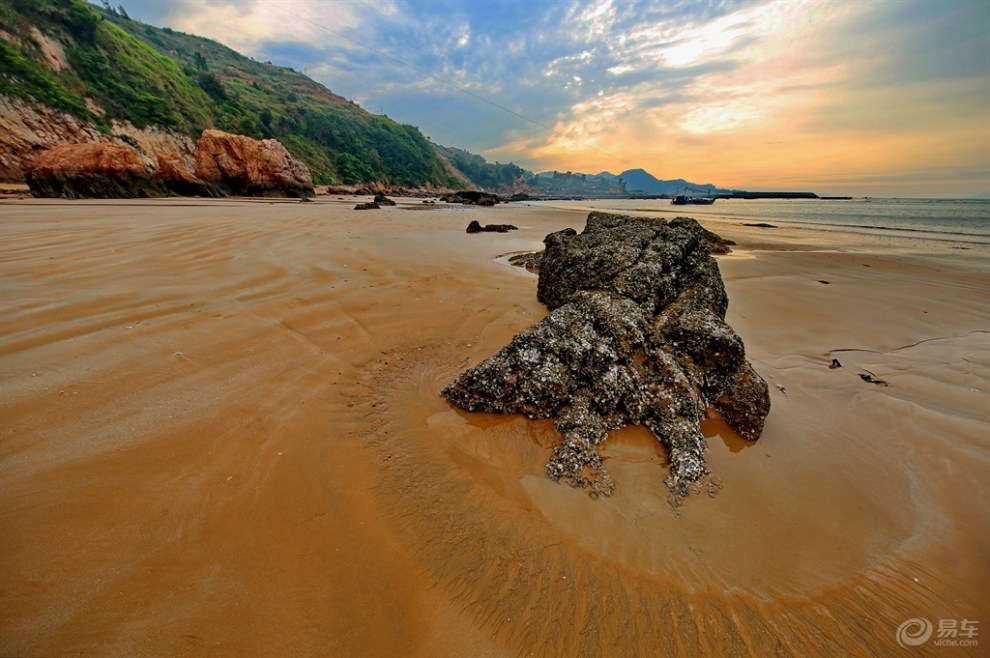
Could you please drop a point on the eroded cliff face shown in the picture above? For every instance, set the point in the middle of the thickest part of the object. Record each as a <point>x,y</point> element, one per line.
<point>92,170</point>
<point>26,130</point>
<point>226,164</point>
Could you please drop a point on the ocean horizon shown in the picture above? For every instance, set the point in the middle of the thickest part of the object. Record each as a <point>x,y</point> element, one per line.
<point>952,220</point>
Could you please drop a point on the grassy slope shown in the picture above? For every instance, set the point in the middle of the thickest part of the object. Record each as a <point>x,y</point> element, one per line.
<point>151,76</point>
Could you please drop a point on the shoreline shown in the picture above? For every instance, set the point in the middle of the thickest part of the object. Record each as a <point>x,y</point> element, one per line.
<point>222,433</point>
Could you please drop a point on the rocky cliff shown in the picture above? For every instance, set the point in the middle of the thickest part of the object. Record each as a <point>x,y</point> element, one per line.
<point>225,165</point>
<point>92,170</point>
<point>27,129</point>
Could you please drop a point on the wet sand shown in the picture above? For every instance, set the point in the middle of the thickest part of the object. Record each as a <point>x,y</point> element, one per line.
<point>221,434</point>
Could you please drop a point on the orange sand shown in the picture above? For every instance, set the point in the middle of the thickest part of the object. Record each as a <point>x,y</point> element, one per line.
<point>221,434</point>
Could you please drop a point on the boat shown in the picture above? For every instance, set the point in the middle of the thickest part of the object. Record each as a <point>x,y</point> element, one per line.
<point>684,200</point>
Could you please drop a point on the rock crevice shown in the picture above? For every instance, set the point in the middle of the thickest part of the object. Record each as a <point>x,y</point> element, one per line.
<point>636,335</point>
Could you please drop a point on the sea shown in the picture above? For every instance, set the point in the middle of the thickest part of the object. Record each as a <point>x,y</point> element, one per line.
<point>949,220</point>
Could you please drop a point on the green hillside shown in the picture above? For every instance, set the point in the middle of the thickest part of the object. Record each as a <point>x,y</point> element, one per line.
<point>497,176</point>
<point>151,76</point>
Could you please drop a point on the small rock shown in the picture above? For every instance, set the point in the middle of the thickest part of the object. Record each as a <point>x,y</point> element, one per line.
<point>476,227</point>
<point>870,378</point>
<point>472,197</point>
<point>530,261</point>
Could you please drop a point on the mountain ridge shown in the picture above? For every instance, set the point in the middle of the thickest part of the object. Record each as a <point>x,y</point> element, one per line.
<point>640,181</point>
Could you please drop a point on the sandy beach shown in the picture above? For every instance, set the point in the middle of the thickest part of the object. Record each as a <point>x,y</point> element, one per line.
<point>221,434</point>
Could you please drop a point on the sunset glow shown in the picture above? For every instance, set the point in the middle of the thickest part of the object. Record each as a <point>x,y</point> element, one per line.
<point>864,98</point>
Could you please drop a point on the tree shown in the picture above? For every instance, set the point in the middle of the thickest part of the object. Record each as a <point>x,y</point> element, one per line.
<point>212,86</point>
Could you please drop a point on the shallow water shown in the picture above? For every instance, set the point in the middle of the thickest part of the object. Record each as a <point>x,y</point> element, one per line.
<point>947,220</point>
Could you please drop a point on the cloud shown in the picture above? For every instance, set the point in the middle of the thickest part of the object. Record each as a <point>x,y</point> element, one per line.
<point>246,25</point>
<point>781,73</point>
<point>735,92</point>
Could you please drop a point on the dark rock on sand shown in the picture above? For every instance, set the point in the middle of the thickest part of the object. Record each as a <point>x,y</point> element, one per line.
<point>476,227</point>
<point>370,205</point>
<point>531,260</point>
<point>92,170</point>
<point>636,335</point>
<point>472,197</point>
<point>383,200</point>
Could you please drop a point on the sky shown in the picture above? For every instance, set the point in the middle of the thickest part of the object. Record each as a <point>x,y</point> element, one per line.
<point>862,98</point>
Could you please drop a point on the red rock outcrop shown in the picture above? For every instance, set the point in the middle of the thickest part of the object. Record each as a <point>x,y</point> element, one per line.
<point>244,166</point>
<point>91,170</point>
<point>173,172</point>
<point>26,130</point>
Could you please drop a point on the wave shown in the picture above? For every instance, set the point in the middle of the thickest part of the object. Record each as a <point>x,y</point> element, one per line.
<point>931,233</point>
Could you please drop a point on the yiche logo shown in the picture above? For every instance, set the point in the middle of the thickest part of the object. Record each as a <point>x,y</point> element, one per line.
<point>913,632</point>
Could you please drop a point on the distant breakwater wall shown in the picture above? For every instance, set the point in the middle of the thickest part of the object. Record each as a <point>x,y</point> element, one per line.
<point>768,195</point>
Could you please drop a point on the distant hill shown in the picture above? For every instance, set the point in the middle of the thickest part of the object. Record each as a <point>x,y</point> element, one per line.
<point>631,181</point>
<point>505,178</point>
<point>576,184</point>
<point>105,69</point>
<point>638,180</point>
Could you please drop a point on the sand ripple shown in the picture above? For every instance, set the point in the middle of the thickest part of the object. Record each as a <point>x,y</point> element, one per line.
<point>221,434</point>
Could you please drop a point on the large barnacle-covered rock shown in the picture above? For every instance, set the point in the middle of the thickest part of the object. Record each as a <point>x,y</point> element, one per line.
<point>636,335</point>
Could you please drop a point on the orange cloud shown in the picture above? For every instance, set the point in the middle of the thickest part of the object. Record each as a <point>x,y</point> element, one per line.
<point>793,111</point>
